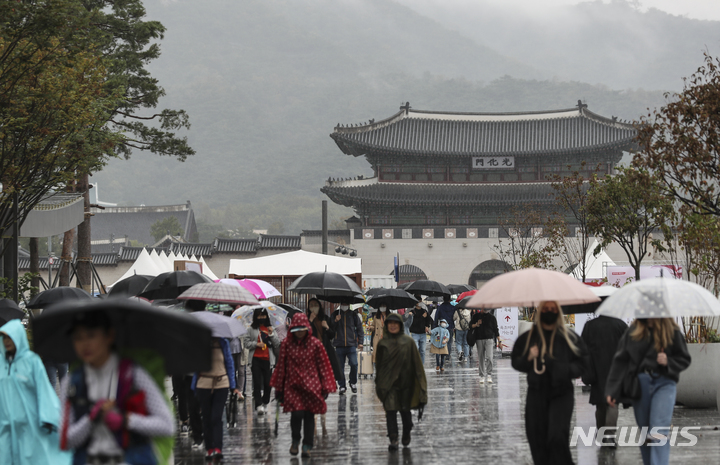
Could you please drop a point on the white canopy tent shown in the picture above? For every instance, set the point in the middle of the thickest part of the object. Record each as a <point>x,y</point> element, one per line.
<point>594,264</point>
<point>143,265</point>
<point>159,262</point>
<point>296,263</point>
<point>207,271</point>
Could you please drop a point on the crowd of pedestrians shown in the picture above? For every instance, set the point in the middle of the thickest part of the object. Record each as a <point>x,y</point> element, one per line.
<point>111,410</point>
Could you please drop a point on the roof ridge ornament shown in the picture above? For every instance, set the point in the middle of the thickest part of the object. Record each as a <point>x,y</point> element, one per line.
<point>406,107</point>
<point>581,105</point>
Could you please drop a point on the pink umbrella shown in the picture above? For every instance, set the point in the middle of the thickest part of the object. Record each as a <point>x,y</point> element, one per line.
<point>260,289</point>
<point>529,287</point>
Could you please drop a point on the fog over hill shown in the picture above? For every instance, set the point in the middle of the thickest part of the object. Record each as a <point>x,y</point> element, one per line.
<point>265,82</point>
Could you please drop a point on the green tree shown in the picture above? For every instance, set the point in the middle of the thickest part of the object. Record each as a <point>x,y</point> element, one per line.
<point>168,225</point>
<point>628,209</point>
<point>681,142</point>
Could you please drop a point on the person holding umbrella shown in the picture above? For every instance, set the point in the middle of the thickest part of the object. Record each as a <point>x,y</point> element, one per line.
<point>29,407</point>
<point>349,335</point>
<point>111,406</point>
<point>377,327</point>
<point>261,341</point>
<point>486,332</point>
<point>320,324</point>
<point>302,380</point>
<point>552,356</point>
<point>420,327</point>
<point>652,352</point>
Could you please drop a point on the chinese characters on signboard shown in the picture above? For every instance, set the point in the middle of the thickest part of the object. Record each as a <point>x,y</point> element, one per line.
<point>491,163</point>
<point>507,320</point>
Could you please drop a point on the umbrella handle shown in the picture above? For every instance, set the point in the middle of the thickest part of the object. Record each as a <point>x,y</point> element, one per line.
<point>536,368</point>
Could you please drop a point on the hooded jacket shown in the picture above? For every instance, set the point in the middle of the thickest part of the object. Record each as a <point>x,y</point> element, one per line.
<point>439,336</point>
<point>400,383</point>
<point>27,402</point>
<point>303,376</point>
<point>349,330</point>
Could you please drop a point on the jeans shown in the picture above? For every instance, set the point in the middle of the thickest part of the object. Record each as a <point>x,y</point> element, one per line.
<point>240,376</point>
<point>351,354</point>
<point>56,372</point>
<point>485,356</point>
<point>392,426</point>
<point>420,341</point>
<point>440,360</point>
<point>461,342</point>
<point>261,374</point>
<point>212,404</point>
<point>450,345</point>
<point>305,421</point>
<point>655,409</point>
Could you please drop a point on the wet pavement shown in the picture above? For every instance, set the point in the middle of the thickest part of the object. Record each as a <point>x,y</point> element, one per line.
<point>464,422</point>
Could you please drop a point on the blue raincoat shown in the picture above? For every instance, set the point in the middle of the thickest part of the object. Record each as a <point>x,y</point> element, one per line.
<point>27,401</point>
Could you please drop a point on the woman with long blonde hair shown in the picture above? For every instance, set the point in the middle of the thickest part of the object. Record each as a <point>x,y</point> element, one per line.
<point>645,371</point>
<point>552,356</point>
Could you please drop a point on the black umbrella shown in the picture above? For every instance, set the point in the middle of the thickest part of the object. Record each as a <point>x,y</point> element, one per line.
<point>391,298</point>
<point>9,310</point>
<point>184,342</point>
<point>583,308</point>
<point>171,284</point>
<point>463,303</point>
<point>57,295</point>
<point>459,288</point>
<point>342,299</point>
<point>427,287</point>
<point>326,284</point>
<point>131,286</point>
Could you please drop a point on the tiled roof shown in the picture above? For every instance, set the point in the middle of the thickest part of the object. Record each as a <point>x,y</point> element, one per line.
<point>132,253</point>
<point>135,222</point>
<point>279,242</point>
<point>463,134</point>
<point>223,245</point>
<point>189,249</point>
<point>331,232</point>
<point>440,194</point>
<point>99,259</point>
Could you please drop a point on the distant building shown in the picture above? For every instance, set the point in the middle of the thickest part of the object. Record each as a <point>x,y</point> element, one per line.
<point>443,180</point>
<point>113,227</point>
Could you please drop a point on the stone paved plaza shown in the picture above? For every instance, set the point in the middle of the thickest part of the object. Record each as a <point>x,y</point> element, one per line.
<point>464,422</point>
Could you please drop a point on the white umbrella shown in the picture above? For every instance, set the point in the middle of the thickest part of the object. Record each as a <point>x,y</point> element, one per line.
<point>220,325</point>
<point>660,298</point>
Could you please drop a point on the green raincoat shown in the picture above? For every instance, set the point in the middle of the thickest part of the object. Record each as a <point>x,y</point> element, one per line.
<point>400,383</point>
<point>27,402</point>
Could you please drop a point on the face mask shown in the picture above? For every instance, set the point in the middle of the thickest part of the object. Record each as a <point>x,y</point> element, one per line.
<point>314,308</point>
<point>344,307</point>
<point>383,308</point>
<point>548,317</point>
<point>393,311</point>
<point>444,325</point>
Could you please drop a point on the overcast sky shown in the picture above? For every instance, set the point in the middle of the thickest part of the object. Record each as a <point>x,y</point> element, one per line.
<point>697,9</point>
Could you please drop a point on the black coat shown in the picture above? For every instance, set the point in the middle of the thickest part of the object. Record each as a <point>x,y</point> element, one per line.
<point>327,342</point>
<point>489,327</point>
<point>601,336</point>
<point>419,323</point>
<point>560,369</point>
<point>632,356</point>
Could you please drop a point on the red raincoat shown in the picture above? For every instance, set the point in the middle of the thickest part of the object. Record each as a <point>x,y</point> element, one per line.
<point>303,372</point>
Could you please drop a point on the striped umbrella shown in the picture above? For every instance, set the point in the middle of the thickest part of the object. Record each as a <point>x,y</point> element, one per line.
<point>219,293</point>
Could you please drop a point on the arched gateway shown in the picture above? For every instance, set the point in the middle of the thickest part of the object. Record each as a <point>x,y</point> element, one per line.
<point>486,271</point>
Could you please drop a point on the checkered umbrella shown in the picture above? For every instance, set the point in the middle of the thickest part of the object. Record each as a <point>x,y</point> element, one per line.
<point>219,293</point>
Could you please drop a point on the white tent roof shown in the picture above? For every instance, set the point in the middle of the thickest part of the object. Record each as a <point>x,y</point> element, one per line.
<point>593,264</point>
<point>143,265</point>
<point>206,270</point>
<point>294,263</point>
<point>159,262</point>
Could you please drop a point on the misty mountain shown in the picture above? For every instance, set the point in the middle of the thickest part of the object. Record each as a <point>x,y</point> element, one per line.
<point>265,82</point>
<point>614,44</point>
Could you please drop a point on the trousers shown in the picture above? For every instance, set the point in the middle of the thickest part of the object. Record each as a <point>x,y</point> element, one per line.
<point>305,421</point>
<point>485,356</point>
<point>392,425</point>
<point>212,404</point>
<point>547,426</point>
<point>655,409</point>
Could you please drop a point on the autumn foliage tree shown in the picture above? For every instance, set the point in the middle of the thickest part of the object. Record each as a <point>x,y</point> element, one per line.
<point>630,209</point>
<point>680,142</point>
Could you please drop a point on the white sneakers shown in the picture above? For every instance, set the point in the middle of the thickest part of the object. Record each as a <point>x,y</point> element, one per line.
<point>260,409</point>
<point>489,379</point>
<point>482,380</point>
